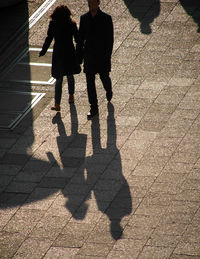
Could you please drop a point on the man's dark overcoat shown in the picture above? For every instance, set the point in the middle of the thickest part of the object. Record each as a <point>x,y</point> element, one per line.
<point>64,60</point>
<point>96,42</point>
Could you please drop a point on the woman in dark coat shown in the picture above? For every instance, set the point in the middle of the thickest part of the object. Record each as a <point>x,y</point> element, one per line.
<point>64,62</point>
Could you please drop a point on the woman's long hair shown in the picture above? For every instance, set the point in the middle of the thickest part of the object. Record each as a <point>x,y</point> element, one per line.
<point>61,13</point>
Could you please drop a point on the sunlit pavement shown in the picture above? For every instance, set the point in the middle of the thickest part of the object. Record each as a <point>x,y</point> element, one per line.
<point>127,183</point>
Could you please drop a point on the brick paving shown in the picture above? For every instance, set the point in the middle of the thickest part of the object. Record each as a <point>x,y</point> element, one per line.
<point>126,184</point>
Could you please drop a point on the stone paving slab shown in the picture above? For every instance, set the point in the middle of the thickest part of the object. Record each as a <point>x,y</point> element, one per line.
<point>126,184</point>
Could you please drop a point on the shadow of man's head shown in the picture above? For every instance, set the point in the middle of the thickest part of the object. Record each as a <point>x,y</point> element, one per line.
<point>192,8</point>
<point>145,11</point>
<point>112,185</point>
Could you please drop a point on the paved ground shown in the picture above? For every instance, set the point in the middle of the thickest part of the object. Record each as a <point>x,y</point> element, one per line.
<point>127,184</point>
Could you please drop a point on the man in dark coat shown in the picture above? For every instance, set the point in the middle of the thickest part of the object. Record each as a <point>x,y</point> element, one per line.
<point>95,48</point>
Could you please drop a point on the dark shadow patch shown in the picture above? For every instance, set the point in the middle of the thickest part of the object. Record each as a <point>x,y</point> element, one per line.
<point>192,8</point>
<point>145,11</point>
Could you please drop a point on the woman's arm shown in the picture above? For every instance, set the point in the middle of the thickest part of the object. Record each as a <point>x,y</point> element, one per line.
<point>48,40</point>
<point>81,40</point>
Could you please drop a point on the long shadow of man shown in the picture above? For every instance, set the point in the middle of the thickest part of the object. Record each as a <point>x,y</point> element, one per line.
<point>192,8</point>
<point>145,11</point>
<point>111,185</point>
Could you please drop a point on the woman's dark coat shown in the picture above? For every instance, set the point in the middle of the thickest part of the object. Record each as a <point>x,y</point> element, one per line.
<point>96,42</point>
<point>64,61</point>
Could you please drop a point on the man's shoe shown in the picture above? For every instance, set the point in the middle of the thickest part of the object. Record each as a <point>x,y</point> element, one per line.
<point>109,96</point>
<point>91,114</point>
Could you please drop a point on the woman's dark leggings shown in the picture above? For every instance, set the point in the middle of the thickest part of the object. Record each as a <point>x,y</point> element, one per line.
<point>58,87</point>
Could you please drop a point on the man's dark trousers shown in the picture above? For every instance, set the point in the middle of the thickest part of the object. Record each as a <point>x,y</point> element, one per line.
<point>91,88</point>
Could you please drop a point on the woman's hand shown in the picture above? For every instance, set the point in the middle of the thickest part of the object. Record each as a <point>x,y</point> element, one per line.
<point>42,53</point>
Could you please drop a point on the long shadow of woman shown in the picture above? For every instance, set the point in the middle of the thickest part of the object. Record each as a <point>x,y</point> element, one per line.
<point>111,186</point>
<point>69,160</point>
<point>192,8</point>
<point>145,11</point>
